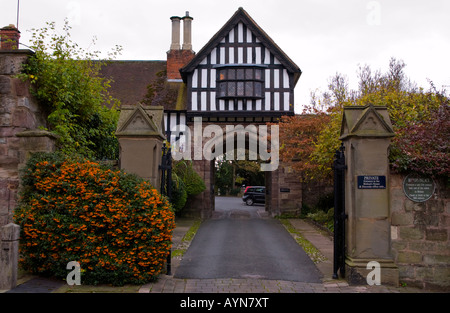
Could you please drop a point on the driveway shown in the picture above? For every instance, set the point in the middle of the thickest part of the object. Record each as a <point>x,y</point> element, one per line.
<point>242,242</point>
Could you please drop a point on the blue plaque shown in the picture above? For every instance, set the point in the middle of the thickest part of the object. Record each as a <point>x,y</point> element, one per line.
<point>371,182</point>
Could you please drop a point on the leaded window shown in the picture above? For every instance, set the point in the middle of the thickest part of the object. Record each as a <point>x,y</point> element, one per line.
<point>240,82</point>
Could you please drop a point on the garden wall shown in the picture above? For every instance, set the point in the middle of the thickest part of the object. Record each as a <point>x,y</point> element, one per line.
<point>420,233</point>
<point>20,120</point>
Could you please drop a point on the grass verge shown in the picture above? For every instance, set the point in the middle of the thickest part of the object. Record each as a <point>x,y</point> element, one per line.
<point>187,238</point>
<point>315,255</point>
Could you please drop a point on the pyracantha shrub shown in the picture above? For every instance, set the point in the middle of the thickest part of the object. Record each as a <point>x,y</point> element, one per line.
<point>116,225</point>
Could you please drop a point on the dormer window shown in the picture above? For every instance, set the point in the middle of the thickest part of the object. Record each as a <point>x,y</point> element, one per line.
<point>240,82</point>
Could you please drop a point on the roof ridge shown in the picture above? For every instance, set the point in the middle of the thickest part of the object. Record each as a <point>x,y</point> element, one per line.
<point>266,40</point>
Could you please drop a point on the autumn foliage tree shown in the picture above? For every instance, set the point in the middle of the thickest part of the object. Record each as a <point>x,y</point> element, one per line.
<point>419,118</point>
<point>298,140</point>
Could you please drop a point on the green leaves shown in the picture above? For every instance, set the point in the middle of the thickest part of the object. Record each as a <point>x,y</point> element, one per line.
<point>423,146</point>
<point>116,225</point>
<point>193,182</point>
<point>66,82</point>
<point>415,113</point>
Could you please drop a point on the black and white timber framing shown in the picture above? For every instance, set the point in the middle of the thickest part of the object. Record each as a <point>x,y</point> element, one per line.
<point>240,75</point>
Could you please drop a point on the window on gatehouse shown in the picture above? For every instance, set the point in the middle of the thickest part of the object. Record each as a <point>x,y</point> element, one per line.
<point>245,82</point>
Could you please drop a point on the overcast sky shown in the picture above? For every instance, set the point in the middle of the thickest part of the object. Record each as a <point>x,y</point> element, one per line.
<point>321,36</point>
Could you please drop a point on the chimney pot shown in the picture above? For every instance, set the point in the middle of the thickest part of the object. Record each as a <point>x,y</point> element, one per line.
<point>175,45</point>
<point>176,57</point>
<point>187,32</point>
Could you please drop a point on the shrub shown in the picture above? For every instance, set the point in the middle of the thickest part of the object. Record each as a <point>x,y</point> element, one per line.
<point>179,194</point>
<point>116,225</point>
<point>423,146</point>
<point>323,218</point>
<point>193,182</point>
<point>66,81</point>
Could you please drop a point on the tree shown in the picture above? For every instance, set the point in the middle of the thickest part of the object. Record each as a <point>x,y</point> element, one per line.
<point>230,175</point>
<point>66,82</point>
<point>248,172</point>
<point>298,138</point>
<point>224,176</point>
<point>410,109</point>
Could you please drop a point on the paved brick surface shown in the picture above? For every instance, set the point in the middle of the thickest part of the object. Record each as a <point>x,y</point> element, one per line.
<point>168,284</point>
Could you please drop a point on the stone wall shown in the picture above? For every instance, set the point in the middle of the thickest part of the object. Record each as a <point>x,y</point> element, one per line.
<point>288,190</point>
<point>318,193</point>
<point>420,235</point>
<point>20,135</point>
<point>19,113</point>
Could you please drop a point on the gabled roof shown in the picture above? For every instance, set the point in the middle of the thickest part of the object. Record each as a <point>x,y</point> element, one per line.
<point>242,16</point>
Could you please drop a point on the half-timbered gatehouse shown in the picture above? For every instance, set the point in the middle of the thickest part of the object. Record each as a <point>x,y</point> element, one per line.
<point>240,77</point>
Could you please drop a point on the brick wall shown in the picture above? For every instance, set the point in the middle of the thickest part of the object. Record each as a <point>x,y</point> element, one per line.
<point>176,59</point>
<point>9,38</point>
<point>420,235</point>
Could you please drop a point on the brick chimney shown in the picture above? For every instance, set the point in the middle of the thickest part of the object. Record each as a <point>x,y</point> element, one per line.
<point>9,37</point>
<point>176,57</point>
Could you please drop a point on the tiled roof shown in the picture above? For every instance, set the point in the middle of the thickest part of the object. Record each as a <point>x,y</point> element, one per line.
<point>132,78</point>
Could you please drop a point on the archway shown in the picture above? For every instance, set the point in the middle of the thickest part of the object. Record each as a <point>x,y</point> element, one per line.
<point>206,141</point>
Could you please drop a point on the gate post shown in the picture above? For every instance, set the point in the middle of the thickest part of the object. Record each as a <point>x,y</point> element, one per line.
<point>366,132</point>
<point>9,255</point>
<point>140,133</point>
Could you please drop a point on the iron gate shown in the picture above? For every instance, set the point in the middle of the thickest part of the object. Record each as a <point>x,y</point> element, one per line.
<point>339,168</point>
<point>166,188</point>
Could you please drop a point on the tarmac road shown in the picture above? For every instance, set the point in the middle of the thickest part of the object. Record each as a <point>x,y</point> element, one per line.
<point>242,242</point>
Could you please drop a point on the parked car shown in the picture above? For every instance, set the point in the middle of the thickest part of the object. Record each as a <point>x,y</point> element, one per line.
<point>254,194</point>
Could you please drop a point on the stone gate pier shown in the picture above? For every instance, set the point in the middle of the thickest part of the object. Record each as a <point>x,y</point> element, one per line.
<point>366,133</point>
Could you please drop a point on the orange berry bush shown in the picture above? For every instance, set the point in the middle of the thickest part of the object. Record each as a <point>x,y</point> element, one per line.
<point>116,225</point>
